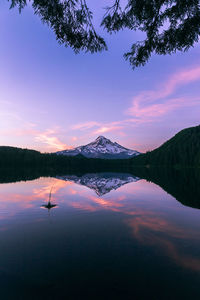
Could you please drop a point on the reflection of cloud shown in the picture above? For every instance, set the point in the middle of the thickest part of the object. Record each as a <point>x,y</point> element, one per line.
<point>73,192</point>
<point>53,184</point>
<point>149,227</point>
<point>86,206</point>
<point>107,204</point>
<point>156,231</point>
<point>154,223</point>
<point>146,225</point>
<point>91,203</point>
<point>12,203</point>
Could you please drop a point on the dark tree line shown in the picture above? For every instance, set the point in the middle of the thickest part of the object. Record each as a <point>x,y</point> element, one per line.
<point>181,183</point>
<point>13,157</point>
<point>169,25</point>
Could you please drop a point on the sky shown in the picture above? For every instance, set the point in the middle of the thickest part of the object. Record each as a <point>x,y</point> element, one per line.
<point>53,99</point>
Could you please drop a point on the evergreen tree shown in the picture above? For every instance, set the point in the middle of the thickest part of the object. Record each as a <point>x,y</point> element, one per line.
<point>169,25</point>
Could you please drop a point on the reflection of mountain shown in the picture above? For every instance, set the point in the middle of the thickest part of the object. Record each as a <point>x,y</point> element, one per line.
<point>101,183</point>
<point>183,184</point>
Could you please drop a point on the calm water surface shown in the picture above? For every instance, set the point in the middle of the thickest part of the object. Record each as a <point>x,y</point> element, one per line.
<point>110,236</point>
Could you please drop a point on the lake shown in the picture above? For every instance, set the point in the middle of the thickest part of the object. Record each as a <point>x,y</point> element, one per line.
<point>100,236</point>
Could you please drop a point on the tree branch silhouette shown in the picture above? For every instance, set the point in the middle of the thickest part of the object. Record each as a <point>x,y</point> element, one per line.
<point>169,25</point>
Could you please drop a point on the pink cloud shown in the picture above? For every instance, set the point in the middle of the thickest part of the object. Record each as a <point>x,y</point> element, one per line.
<point>101,127</point>
<point>85,126</point>
<point>149,112</point>
<point>48,137</point>
<point>145,106</point>
<point>108,128</point>
<point>148,107</point>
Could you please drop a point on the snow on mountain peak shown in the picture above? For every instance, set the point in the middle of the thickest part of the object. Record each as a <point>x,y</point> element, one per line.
<point>101,137</point>
<point>101,140</point>
<point>101,148</point>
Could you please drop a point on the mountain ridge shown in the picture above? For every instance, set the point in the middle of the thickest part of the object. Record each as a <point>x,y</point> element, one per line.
<point>101,148</point>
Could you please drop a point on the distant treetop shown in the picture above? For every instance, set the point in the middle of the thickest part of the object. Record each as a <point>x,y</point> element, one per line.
<point>169,25</point>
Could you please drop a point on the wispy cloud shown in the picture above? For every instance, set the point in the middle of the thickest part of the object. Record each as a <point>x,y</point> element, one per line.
<point>49,138</point>
<point>99,127</point>
<point>148,105</point>
<point>109,128</point>
<point>85,125</point>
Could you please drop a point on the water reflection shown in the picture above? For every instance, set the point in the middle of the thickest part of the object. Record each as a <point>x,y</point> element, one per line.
<point>167,236</point>
<point>110,224</point>
<point>183,184</point>
<point>101,183</point>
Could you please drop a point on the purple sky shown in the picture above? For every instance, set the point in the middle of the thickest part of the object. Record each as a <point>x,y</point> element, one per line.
<point>52,99</point>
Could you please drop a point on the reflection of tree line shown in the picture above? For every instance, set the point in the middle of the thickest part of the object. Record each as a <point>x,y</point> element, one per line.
<point>183,184</point>
<point>8,175</point>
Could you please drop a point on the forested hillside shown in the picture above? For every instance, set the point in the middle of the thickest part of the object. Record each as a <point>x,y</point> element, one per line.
<point>17,158</point>
<point>181,150</point>
<point>12,156</point>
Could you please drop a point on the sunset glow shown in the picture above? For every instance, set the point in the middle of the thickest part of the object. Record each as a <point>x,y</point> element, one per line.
<point>52,99</point>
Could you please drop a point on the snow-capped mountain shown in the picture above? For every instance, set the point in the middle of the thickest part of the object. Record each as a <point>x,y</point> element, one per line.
<point>101,183</point>
<point>101,148</point>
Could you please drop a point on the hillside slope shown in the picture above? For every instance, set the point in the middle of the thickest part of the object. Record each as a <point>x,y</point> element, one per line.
<point>17,156</point>
<point>183,149</point>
